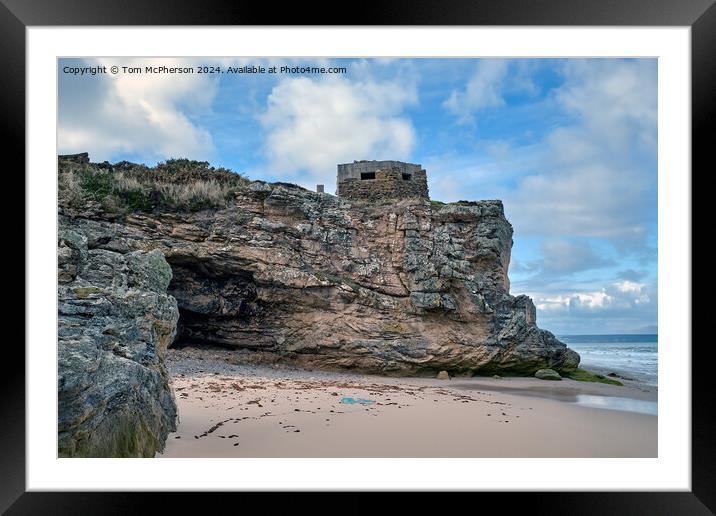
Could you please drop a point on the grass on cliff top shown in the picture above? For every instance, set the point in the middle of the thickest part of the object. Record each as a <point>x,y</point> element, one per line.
<point>582,375</point>
<point>175,185</point>
<point>454,203</point>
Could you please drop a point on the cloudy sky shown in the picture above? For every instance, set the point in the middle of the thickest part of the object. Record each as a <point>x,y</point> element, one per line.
<point>569,145</point>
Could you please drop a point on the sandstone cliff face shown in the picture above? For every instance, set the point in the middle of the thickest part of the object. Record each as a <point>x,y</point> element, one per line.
<point>115,321</point>
<point>284,274</point>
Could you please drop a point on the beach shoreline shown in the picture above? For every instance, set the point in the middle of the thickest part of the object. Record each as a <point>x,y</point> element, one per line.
<point>231,409</point>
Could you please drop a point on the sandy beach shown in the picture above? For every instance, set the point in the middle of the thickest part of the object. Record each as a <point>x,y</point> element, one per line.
<point>230,409</point>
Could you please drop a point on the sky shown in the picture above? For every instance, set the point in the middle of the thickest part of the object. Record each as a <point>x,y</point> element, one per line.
<point>569,145</point>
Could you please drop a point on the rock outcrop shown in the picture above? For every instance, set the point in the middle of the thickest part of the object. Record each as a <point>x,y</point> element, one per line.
<point>547,374</point>
<point>115,321</point>
<point>284,274</point>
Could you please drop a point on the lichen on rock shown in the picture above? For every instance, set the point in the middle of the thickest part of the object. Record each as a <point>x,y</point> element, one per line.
<point>115,321</point>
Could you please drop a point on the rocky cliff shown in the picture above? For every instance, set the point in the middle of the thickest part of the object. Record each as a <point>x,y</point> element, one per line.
<point>115,321</point>
<point>279,273</point>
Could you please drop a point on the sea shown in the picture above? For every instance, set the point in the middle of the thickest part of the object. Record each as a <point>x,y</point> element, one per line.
<point>629,355</point>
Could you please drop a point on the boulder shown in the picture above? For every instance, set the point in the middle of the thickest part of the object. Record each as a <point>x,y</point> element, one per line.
<point>82,158</point>
<point>443,375</point>
<point>115,322</point>
<point>548,374</point>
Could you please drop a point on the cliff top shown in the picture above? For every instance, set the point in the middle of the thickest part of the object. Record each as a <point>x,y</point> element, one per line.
<point>176,185</point>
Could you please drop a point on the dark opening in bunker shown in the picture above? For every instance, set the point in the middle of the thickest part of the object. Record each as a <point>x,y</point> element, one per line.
<point>406,177</point>
<point>367,175</point>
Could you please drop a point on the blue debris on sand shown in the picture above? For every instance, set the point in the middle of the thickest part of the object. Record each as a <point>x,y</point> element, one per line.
<point>354,401</point>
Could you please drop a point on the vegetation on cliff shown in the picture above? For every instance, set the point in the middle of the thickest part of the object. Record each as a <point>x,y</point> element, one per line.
<point>174,185</point>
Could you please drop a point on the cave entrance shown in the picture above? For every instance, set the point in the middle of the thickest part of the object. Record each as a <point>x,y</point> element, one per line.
<point>214,304</point>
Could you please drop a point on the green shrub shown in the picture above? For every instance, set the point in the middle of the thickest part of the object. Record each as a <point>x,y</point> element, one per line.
<point>175,185</point>
<point>136,200</point>
<point>97,184</point>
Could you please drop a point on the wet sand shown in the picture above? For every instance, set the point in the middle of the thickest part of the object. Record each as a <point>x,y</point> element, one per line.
<point>239,410</point>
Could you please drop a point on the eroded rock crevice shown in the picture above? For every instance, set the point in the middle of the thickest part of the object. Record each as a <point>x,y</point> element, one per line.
<point>214,305</point>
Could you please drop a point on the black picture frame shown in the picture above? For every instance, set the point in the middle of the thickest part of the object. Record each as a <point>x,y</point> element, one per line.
<point>17,15</point>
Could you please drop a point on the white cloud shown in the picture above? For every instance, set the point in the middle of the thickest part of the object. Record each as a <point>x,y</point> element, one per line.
<point>483,90</point>
<point>629,286</point>
<point>590,300</point>
<point>454,177</point>
<point>597,175</point>
<point>313,124</point>
<point>560,257</point>
<point>616,100</point>
<point>615,298</point>
<point>143,114</point>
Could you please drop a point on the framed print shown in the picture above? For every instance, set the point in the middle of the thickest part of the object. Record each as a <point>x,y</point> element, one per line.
<point>440,250</point>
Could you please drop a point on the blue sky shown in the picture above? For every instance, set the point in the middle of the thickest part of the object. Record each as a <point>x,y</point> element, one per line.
<point>569,145</point>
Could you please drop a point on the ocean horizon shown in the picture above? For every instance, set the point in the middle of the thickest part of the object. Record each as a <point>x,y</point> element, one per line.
<point>631,355</point>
